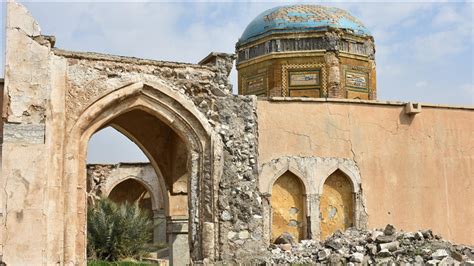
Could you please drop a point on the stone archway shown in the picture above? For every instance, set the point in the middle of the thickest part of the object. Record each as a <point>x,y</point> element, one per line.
<point>132,190</point>
<point>182,117</point>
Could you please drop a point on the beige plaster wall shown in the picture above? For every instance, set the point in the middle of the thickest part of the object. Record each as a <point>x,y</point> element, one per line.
<point>416,171</point>
<point>31,204</point>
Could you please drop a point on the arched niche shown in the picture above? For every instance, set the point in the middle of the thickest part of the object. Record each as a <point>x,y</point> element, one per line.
<point>149,180</point>
<point>180,115</point>
<point>337,204</point>
<point>287,202</point>
<point>131,190</point>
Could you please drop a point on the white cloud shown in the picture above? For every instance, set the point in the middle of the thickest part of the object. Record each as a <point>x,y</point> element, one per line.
<point>384,15</point>
<point>421,84</point>
<point>448,15</point>
<point>436,46</point>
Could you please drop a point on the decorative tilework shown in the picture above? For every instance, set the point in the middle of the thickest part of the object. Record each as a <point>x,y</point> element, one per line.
<point>296,18</point>
<point>302,68</point>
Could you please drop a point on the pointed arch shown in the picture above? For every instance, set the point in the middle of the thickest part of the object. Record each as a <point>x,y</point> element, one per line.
<point>176,111</point>
<point>162,199</point>
<point>271,172</point>
<point>352,175</point>
<point>157,199</point>
<point>288,203</point>
<point>337,203</point>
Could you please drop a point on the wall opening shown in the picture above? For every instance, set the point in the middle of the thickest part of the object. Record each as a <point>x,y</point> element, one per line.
<point>143,135</point>
<point>110,146</point>
<point>132,191</point>
<point>166,127</point>
<point>288,208</point>
<point>337,204</point>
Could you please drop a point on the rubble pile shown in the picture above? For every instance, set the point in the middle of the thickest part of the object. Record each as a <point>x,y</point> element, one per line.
<point>386,246</point>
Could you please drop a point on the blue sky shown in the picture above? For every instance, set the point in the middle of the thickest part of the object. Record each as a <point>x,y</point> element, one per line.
<point>424,49</point>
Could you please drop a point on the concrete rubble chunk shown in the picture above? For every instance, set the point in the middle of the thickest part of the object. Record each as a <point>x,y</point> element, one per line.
<point>392,246</point>
<point>432,262</point>
<point>427,234</point>
<point>419,259</point>
<point>357,257</point>
<point>384,253</point>
<point>439,254</point>
<point>385,239</point>
<point>374,235</point>
<point>372,249</point>
<point>419,236</point>
<point>448,261</point>
<point>324,254</point>
<point>389,230</point>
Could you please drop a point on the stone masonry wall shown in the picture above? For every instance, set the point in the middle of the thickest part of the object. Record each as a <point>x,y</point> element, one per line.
<point>232,117</point>
<point>46,95</point>
<point>240,204</point>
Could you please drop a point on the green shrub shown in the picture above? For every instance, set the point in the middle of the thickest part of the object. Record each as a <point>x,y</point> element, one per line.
<point>116,231</point>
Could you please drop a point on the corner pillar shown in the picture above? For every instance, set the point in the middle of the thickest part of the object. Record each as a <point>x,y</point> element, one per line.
<point>334,76</point>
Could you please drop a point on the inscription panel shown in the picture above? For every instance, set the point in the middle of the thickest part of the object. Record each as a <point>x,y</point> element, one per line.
<point>303,80</point>
<point>357,81</point>
<point>256,85</point>
<point>306,78</point>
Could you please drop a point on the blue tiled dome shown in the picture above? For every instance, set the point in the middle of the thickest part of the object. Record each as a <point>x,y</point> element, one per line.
<point>297,18</point>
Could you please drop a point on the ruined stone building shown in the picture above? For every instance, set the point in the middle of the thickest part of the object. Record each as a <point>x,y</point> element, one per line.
<point>305,147</point>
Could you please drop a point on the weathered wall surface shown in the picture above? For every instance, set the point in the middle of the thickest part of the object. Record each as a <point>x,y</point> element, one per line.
<point>238,212</point>
<point>240,204</point>
<point>47,91</point>
<point>416,171</point>
<point>1,126</point>
<point>31,176</point>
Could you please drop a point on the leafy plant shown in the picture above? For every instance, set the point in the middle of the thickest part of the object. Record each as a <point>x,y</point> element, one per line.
<point>116,231</point>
